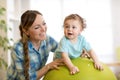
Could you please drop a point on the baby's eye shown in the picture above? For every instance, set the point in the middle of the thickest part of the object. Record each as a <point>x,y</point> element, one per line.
<point>74,27</point>
<point>67,27</point>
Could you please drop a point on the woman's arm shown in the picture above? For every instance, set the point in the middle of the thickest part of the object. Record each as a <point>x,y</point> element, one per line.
<point>42,72</point>
<point>53,65</point>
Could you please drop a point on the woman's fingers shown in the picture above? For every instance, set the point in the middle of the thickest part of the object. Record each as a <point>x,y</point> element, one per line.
<point>56,63</point>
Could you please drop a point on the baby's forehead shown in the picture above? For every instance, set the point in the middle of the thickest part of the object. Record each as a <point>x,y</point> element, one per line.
<point>72,21</point>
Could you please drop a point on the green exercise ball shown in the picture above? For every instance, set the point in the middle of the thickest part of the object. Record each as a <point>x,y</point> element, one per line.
<point>87,72</point>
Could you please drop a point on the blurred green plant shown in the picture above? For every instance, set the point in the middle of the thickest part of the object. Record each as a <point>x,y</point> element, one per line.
<point>4,40</point>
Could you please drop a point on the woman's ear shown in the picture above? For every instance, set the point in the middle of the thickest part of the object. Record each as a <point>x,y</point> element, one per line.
<point>26,32</point>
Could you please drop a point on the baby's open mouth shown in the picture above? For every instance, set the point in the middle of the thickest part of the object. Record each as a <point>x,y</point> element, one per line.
<point>70,34</point>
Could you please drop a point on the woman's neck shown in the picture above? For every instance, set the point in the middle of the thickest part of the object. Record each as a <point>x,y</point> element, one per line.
<point>36,44</point>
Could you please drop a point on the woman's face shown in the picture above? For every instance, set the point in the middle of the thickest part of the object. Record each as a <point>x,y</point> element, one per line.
<point>37,32</point>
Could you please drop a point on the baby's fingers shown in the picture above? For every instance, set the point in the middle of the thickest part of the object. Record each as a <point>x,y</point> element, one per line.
<point>99,67</point>
<point>72,72</point>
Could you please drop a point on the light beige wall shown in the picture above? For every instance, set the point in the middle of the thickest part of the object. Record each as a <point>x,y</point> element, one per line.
<point>115,6</point>
<point>116,22</point>
<point>3,54</point>
<point>3,3</point>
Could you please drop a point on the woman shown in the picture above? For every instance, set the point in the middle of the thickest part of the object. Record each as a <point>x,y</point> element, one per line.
<point>29,55</point>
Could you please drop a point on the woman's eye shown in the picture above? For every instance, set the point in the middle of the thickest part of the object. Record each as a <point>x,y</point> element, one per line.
<point>44,23</point>
<point>36,27</point>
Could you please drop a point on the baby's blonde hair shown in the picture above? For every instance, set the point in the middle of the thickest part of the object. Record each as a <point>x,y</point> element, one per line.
<point>76,17</point>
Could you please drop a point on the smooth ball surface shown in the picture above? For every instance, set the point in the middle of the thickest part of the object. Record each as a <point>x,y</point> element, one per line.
<point>87,72</point>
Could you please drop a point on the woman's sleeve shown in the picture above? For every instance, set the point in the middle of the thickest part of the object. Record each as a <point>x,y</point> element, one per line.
<point>53,44</point>
<point>19,62</point>
<point>33,75</point>
<point>15,70</point>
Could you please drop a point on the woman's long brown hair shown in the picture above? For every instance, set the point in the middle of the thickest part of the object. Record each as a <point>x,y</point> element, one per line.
<point>27,20</point>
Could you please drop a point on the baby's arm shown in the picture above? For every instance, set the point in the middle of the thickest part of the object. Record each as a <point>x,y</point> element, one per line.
<point>97,64</point>
<point>73,69</point>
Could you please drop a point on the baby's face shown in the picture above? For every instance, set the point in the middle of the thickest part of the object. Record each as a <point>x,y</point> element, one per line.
<point>72,28</point>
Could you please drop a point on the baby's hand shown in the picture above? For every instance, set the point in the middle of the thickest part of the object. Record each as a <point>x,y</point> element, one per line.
<point>98,66</point>
<point>74,70</point>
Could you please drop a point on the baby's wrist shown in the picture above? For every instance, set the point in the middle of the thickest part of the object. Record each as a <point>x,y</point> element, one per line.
<point>96,61</point>
<point>73,67</point>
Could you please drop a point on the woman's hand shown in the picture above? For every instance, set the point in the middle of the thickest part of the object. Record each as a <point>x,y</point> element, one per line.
<point>55,64</point>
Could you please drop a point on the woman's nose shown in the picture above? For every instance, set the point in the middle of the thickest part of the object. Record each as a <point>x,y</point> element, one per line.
<point>43,28</point>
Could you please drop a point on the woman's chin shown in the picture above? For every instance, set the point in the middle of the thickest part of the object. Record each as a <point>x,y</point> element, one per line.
<point>42,38</point>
